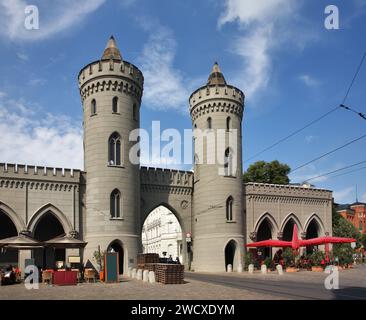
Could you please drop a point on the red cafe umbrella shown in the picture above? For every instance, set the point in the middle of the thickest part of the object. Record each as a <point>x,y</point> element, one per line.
<point>270,243</point>
<point>296,243</point>
<point>325,240</point>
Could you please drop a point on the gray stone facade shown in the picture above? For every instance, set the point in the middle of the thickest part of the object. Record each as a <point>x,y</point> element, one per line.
<point>111,91</point>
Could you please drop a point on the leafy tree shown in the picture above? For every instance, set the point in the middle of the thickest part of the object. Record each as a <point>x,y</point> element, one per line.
<point>343,228</point>
<point>268,172</point>
<point>363,240</point>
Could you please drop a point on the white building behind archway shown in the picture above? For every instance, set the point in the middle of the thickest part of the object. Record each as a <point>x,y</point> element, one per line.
<point>162,233</point>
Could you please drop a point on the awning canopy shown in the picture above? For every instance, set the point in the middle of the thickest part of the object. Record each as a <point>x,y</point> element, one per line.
<point>65,242</point>
<point>21,241</point>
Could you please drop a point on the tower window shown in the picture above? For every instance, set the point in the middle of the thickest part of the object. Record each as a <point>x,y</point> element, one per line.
<point>228,123</point>
<point>228,163</point>
<point>114,157</point>
<point>93,107</point>
<point>209,123</point>
<point>134,112</point>
<point>229,209</point>
<point>115,105</point>
<point>116,204</point>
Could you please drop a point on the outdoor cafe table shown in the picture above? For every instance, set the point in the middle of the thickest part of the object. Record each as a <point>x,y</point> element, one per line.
<point>65,278</point>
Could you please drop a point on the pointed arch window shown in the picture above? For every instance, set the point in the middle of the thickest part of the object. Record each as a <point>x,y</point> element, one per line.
<point>93,107</point>
<point>228,123</point>
<point>116,204</point>
<point>115,105</point>
<point>229,209</point>
<point>228,163</point>
<point>114,157</point>
<point>209,123</point>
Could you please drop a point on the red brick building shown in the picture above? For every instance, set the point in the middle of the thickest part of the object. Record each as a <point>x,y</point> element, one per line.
<point>354,213</point>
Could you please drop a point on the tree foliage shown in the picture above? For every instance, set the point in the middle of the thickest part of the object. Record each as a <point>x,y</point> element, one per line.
<point>343,228</point>
<point>268,172</point>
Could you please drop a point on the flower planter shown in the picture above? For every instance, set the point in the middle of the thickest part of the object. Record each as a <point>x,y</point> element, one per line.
<point>292,269</point>
<point>317,269</point>
<point>101,275</point>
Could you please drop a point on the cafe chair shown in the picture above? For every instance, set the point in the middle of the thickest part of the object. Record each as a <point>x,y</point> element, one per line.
<point>89,275</point>
<point>47,277</point>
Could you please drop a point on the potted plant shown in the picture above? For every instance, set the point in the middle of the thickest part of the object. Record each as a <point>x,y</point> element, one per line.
<point>249,259</point>
<point>268,263</point>
<point>316,259</point>
<point>98,257</point>
<point>289,260</point>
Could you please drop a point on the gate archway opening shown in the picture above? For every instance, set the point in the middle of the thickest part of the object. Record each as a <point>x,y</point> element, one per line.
<point>230,251</point>
<point>7,230</point>
<point>117,246</point>
<point>265,233</point>
<point>288,230</point>
<point>47,228</point>
<point>162,234</point>
<point>312,231</point>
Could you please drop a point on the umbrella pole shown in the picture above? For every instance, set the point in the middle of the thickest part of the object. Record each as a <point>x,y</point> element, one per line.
<point>327,251</point>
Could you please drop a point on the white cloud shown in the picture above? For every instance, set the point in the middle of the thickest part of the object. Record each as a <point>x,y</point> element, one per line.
<point>31,136</point>
<point>344,195</point>
<point>248,11</point>
<point>53,18</point>
<point>309,80</point>
<point>309,139</point>
<point>37,81</point>
<point>254,49</point>
<point>22,56</point>
<point>266,26</point>
<point>165,87</point>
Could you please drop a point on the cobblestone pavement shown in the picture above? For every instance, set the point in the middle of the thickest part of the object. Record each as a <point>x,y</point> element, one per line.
<point>130,290</point>
<point>193,288</point>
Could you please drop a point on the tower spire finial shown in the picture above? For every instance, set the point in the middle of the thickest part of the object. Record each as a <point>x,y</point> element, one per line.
<point>111,51</point>
<point>216,77</point>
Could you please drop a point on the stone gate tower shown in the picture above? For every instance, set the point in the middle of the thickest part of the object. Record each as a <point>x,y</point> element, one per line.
<point>111,91</point>
<point>218,217</point>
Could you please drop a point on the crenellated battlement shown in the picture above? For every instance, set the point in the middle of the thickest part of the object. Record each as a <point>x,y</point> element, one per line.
<point>166,177</point>
<point>216,98</point>
<point>104,75</point>
<point>265,189</point>
<point>22,171</point>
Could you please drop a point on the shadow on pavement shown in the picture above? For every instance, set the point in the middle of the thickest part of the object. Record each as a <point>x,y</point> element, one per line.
<point>350,293</point>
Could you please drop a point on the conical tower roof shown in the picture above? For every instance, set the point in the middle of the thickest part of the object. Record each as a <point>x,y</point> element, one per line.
<point>111,51</point>
<point>216,77</point>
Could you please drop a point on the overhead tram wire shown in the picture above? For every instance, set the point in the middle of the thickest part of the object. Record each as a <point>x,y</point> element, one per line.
<point>349,172</point>
<point>362,115</point>
<point>293,133</point>
<point>318,119</point>
<point>328,153</point>
<point>334,171</point>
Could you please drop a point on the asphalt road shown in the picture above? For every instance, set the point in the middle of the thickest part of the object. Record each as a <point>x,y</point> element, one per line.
<point>352,286</point>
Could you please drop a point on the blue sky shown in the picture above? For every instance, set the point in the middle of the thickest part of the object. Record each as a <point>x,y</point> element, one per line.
<point>291,68</point>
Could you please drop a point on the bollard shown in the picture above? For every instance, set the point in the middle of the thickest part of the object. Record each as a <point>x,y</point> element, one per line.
<point>251,268</point>
<point>279,269</point>
<point>139,274</point>
<point>145,276</point>
<point>152,277</point>
<point>133,273</point>
<point>229,268</point>
<point>240,267</point>
<point>263,269</point>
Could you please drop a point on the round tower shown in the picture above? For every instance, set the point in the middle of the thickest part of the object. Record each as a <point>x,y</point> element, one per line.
<point>111,91</point>
<point>218,221</point>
